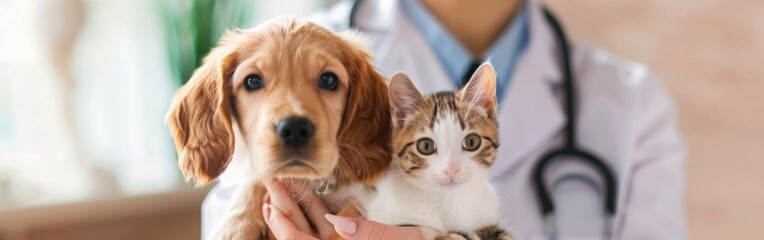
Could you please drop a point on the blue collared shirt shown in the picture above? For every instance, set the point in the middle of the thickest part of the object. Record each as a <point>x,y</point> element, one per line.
<point>503,53</point>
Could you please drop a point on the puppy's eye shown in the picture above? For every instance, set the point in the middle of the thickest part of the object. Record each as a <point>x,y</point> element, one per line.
<point>328,81</point>
<point>253,82</point>
<point>471,142</point>
<point>426,146</point>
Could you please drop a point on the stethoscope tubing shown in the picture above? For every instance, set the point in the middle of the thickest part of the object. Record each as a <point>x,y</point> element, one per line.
<point>570,150</point>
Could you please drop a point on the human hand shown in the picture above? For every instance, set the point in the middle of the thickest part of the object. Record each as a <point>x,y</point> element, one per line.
<point>286,220</point>
<point>290,219</point>
<point>357,228</point>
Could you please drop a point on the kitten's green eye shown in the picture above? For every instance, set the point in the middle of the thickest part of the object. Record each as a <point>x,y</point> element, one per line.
<point>425,146</point>
<point>471,142</point>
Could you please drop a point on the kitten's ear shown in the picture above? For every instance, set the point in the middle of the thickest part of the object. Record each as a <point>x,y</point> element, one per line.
<point>481,89</point>
<point>404,97</point>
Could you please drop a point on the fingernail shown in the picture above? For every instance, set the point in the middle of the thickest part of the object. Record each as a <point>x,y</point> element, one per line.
<point>343,224</point>
<point>266,212</point>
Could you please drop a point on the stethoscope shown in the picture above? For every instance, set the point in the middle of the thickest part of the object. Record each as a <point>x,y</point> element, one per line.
<point>568,152</point>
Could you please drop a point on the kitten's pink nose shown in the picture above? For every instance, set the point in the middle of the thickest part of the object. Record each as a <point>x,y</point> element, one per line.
<point>451,172</point>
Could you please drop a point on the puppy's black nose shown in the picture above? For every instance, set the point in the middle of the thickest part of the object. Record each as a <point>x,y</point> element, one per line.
<point>295,131</point>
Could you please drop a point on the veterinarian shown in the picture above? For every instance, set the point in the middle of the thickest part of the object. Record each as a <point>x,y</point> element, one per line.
<point>621,117</point>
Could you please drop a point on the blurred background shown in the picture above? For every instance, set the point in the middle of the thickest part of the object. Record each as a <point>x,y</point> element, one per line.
<point>85,84</point>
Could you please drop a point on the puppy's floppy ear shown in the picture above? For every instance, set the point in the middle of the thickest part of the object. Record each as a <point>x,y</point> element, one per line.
<point>366,128</point>
<point>199,117</point>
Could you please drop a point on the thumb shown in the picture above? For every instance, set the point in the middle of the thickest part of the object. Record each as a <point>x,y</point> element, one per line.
<point>356,228</point>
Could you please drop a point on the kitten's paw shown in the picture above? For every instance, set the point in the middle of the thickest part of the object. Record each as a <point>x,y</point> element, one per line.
<point>494,232</point>
<point>242,229</point>
<point>451,236</point>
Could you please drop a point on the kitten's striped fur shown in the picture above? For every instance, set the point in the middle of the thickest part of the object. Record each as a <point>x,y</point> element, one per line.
<point>435,108</point>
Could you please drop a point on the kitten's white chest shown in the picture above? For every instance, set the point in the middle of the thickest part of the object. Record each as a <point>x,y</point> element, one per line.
<point>470,207</point>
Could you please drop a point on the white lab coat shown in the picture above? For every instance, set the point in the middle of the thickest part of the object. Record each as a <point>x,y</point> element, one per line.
<point>624,116</point>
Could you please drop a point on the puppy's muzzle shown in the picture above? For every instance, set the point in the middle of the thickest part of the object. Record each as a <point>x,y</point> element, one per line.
<point>295,131</point>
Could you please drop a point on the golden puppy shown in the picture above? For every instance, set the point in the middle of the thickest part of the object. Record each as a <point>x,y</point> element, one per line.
<point>295,100</point>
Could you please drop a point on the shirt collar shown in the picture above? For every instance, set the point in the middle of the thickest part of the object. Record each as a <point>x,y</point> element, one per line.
<point>454,57</point>
<point>451,53</point>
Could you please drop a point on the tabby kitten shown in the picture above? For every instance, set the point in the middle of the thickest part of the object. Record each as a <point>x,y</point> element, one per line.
<point>444,145</point>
